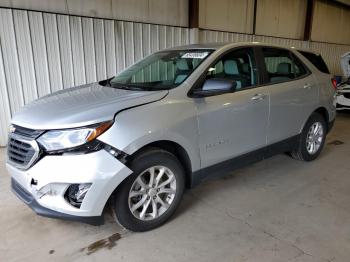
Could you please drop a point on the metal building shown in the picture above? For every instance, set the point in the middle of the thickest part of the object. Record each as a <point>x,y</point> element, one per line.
<point>46,46</point>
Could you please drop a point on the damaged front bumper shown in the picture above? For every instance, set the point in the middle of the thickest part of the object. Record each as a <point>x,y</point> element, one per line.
<point>43,187</point>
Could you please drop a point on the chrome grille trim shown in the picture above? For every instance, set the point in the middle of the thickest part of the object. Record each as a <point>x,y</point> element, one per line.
<point>26,132</point>
<point>22,152</point>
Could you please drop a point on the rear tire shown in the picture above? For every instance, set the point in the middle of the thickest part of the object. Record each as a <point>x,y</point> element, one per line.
<point>312,139</point>
<point>150,196</point>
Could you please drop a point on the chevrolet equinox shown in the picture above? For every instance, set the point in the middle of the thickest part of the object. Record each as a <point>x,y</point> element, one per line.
<point>168,122</point>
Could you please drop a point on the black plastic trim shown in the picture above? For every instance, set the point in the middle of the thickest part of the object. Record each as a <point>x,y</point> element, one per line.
<point>28,199</point>
<point>323,68</point>
<point>330,125</point>
<point>223,168</point>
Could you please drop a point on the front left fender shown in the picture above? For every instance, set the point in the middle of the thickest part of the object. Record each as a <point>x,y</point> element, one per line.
<point>173,121</point>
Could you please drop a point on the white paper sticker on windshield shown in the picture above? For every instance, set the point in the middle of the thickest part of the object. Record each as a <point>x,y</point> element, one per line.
<point>199,55</point>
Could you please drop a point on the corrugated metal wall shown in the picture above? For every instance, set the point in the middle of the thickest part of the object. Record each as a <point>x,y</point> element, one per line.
<point>330,52</point>
<point>167,12</point>
<point>42,52</point>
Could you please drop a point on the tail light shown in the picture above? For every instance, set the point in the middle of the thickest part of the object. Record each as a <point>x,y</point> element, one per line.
<point>334,83</point>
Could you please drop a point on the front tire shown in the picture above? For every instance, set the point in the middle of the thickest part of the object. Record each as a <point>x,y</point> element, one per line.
<point>312,139</point>
<point>150,196</point>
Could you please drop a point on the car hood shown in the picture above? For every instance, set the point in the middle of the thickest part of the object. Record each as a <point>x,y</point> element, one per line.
<point>81,106</point>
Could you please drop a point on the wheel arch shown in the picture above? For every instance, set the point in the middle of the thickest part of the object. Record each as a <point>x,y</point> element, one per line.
<point>174,148</point>
<point>167,145</point>
<point>324,113</point>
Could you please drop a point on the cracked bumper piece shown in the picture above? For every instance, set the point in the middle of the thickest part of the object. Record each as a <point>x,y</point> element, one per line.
<point>43,186</point>
<point>28,199</point>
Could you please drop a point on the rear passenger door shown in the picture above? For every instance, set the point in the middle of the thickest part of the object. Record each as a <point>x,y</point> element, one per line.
<point>293,94</point>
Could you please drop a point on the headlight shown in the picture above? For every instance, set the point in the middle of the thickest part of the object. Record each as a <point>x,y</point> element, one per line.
<point>69,138</point>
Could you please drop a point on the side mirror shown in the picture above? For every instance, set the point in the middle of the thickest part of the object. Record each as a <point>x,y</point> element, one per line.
<point>215,86</point>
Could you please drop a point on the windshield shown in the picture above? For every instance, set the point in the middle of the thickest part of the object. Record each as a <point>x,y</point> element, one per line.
<point>162,70</point>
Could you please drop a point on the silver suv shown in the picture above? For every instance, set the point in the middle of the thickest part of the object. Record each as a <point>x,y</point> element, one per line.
<point>171,120</point>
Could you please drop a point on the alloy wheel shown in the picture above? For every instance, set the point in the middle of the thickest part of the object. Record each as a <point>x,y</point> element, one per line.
<point>152,193</point>
<point>314,138</point>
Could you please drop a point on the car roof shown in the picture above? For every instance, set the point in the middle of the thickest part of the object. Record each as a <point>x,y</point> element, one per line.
<point>308,51</point>
<point>220,45</point>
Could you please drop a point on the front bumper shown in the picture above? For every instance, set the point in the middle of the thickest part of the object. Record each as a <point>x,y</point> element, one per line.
<point>54,174</point>
<point>28,199</point>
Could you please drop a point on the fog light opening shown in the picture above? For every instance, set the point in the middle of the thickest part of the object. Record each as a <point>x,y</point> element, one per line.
<point>76,193</point>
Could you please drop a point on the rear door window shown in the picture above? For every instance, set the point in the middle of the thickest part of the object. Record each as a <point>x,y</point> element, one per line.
<point>281,65</point>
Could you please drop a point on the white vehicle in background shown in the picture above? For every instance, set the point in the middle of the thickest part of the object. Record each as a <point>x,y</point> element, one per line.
<point>343,93</point>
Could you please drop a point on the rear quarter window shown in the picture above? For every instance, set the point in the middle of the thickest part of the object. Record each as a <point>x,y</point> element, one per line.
<point>316,60</point>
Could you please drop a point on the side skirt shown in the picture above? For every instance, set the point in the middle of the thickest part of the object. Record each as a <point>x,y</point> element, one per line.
<point>225,167</point>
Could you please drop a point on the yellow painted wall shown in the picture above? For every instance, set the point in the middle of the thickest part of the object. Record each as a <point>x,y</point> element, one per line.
<point>331,23</point>
<point>227,15</point>
<point>281,18</point>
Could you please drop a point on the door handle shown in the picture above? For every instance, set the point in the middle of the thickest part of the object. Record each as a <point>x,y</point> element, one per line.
<point>307,86</point>
<point>258,97</point>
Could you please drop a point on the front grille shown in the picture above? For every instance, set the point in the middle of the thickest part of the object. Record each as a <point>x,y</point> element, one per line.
<point>26,132</point>
<point>22,149</point>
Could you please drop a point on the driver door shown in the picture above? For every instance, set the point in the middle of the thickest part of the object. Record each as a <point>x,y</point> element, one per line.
<point>232,124</point>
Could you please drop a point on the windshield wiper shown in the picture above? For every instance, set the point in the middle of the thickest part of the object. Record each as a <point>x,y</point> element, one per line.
<point>108,81</point>
<point>130,87</point>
